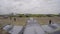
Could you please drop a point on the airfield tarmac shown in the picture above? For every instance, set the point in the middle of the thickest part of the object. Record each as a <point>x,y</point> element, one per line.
<point>22,21</point>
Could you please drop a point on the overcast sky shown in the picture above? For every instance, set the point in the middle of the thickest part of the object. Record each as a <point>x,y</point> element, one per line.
<point>30,6</point>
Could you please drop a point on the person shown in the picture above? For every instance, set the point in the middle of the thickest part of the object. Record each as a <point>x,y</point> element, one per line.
<point>50,22</point>
<point>14,19</point>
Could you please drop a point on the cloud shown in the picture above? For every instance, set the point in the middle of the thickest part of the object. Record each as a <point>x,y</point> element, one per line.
<point>30,6</point>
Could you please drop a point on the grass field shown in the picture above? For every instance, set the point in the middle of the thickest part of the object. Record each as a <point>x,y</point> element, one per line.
<point>22,20</point>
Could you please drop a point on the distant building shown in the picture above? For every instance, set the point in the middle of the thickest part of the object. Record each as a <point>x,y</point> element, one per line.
<point>4,16</point>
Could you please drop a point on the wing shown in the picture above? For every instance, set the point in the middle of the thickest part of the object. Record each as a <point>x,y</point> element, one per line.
<point>51,28</point>
<point>13,29</point>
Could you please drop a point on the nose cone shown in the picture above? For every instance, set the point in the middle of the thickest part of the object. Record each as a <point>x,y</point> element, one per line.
<point>33,27</point>
<point>31,21</point>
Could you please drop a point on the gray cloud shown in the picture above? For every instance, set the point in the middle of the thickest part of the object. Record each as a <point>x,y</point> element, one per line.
<point>30,6</point>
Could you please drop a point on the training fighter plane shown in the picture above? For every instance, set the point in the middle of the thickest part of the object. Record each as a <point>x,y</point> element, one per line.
<point>33,27</point>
